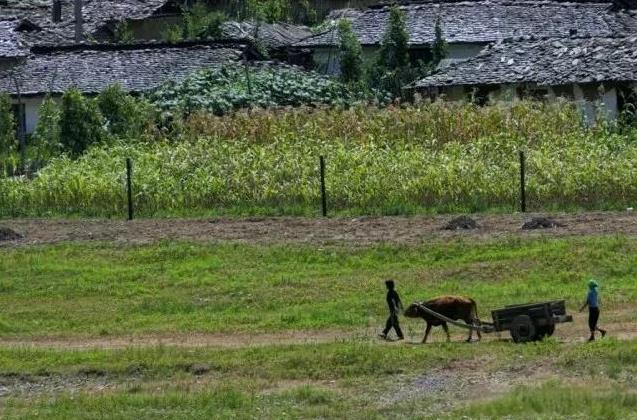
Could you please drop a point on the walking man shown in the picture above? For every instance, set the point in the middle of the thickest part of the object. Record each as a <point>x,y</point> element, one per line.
<point>592,301</point>
<point>395,305</point>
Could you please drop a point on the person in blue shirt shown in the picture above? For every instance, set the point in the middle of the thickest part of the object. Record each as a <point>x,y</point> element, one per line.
<point>592,301</point>
<point>395,306</point>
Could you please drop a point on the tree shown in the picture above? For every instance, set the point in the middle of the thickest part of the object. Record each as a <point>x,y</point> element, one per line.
<point>394,48</point>
<point>271,11</point>
<point>81,124</point>
<point>201,22</point>
<point>439,47</point>
<point>351,53</point>
<point>7,127</point>
<point>124,116</point>
<point>46,137</point>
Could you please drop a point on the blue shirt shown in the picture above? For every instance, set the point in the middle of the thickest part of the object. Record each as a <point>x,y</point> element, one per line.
<point>591,299</point>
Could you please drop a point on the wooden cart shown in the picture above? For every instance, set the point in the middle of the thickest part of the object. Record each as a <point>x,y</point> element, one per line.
<point>532,321</point>
<point>528,322</point>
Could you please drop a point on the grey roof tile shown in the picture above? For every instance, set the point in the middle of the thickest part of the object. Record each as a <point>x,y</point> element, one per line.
<point>96,14</point>
<point>487,21</point>
<point>91,69</point>
<point>544,62</point>
<point>271,35</point>
<point>11,46</point>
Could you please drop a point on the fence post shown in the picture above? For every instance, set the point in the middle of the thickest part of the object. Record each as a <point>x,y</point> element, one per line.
<point>323,194</point>
<point>522,183</point>
<point>129,186</point>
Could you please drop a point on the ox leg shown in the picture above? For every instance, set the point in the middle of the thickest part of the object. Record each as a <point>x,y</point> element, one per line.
<point>427,331</point>
<point>446,328</point>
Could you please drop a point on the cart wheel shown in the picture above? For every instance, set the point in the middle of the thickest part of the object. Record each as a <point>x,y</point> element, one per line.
<point>523,329</point>
<point>545,331</point>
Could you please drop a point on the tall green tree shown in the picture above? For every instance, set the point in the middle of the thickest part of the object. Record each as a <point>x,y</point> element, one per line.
<point>8,137</point>
<point>439,48</point>
<point>200,22</point>
<point>394,48</point>
<point>81,124</point>
<point>351,53</point>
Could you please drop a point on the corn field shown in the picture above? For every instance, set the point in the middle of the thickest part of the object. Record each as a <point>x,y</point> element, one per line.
<point>432,157</point>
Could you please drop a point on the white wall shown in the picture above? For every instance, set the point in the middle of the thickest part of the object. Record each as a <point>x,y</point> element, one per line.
<point>31,110</point>
<point>460,52</point>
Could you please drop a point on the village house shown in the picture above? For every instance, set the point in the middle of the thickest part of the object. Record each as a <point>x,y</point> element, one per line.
<point>600,74</point>
<point>469,26</point>
<point>92,68</point>
<point>45,50</point>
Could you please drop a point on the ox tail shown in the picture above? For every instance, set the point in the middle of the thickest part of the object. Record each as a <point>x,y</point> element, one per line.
<point>474,312</point>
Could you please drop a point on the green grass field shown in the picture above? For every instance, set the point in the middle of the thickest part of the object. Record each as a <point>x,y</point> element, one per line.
<point>107,291</point>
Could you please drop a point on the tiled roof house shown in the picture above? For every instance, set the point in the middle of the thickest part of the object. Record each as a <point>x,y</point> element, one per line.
<point>92,68</point>
<point>469,26</point>
<point>591,71</point>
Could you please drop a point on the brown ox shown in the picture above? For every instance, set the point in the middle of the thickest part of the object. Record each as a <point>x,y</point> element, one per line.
<point>453,307</point>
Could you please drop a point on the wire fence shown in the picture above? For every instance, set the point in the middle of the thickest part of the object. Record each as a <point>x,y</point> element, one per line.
<point>327,188</point>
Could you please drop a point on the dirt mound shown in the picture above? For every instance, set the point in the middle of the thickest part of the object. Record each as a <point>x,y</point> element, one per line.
<point>462,222</point>
<point>7,234</point>
<point>541,223</point>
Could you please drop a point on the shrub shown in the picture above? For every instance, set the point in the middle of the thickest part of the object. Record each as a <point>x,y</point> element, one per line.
<point>46,137</point>
<point>81,124</point>
<point>7,127</point>
<point>202,23</point>
<point>123,115</point>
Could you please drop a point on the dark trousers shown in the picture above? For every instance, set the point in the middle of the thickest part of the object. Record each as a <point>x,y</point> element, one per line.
<point>593,316</point>
<point>392,322</point>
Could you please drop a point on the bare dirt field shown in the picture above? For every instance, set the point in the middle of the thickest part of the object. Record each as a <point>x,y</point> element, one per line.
<point>359,231</point>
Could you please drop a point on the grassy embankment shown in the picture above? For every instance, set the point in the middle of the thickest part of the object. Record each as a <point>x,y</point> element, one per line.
<point>77,291</point>
<point>93,290</point>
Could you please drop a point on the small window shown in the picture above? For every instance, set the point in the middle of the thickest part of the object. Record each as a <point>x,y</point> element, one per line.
<point>481,95</point>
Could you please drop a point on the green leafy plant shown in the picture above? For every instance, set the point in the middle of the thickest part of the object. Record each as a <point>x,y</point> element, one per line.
<point>271,11</point>
<point>439,48</point>
<point>351,53</point>
<point>124,115</point>
<point>202,23</point>
<point>7,127</point>
<point>123,33</point>
<point>46,138</point>
<point>81,124</point>
<point>222,90</point>
<point>394,48</point>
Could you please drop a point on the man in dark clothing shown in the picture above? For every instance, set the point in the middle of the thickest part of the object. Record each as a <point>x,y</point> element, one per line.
<point>395,305</point>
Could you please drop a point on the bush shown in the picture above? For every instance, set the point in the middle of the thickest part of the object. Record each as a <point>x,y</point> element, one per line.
<point>81,124</point>
<point>123,115</point>
<point>46,137</point>
<point>7,127</point>
<point>202,23</point>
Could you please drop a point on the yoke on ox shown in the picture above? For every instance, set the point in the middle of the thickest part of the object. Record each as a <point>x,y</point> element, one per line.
<point>452,308</point>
